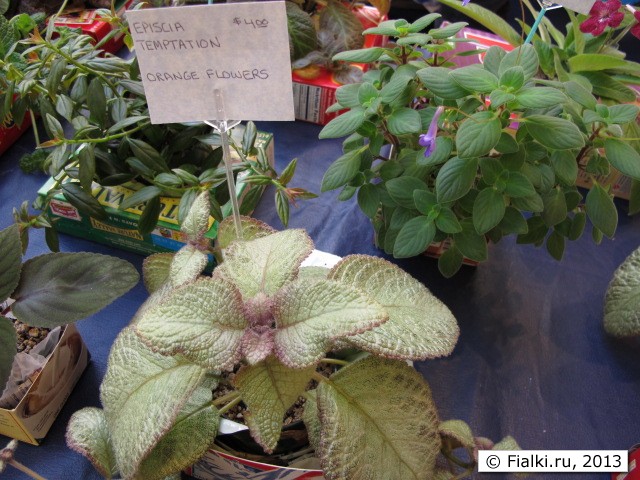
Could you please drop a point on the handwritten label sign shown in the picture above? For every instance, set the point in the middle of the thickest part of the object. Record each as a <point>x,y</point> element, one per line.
<point>580,6</point>
<point>186,53</point>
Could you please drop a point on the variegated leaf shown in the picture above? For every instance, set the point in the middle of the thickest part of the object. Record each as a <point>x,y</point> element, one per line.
<point>267,263</point>
<point>311,314</point>
<point>88,434</point>
<point>622,301</point>
<point>202,321</point>
<point>251,229</point>
<point>420,326</point>
<point>143,393</point>
<point>196,223</point>
<point>191,435</point>
<point>311,420</point>
<point>313,273</point>
<point>8,340</point>
<point>459,431</point>
<point>188,263</point>
<point>378,421</point>
<point>155,270</point>
<point>268,389</point>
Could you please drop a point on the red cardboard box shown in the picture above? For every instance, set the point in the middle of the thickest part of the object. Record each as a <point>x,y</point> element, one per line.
<point>88,22</point>
<point>11,133</point>
<point>312,96</point>
<point>634,466</point>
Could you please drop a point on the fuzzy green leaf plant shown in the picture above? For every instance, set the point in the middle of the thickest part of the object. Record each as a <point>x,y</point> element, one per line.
<point>622,301</point>
<point>467,156</point>
<point>53,289</point>
<point>273,323</point>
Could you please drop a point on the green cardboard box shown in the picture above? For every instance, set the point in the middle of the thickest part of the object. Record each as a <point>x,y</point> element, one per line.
<point>119,229</point>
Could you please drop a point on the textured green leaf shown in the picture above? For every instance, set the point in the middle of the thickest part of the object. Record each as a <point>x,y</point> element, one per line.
<point>344,124</point>
<point>364,55</point>
<point>54,126</point>
<point>150,214</point>
<point>268,389</point>
<point>438,81</point>
<point>84,202</point>
<point>448,30</point>
<point>189,438</point>
<point>518,185</point>
<point>302,34</point>
<point>424,201</point>
<point>147,155</point>
<point>8,341</point>
<point>458,431</point>
<point>97,102</point>
<point>555,207</point>
<point>478,134</point>
<point>423,22</point>
<point>88,434</point>
<point>341,25</point>
<point>524,56</point>
<point>60,288</point>
<point>87,166</point>
<point>447,222</point>
<point>196,223</point>
<point>601,210</point>
<point>378,420</point>
<point>606,86</point>
<point>203,320</point>
<point>419,327</point>
<point>580,94</point>
<point>475,79</point>
<point>565,166</point>
<point>155,270</point>
<point>455,179</point>
<point>513,222</point>
<point>404,121</point>
<point>554,133</point>
<point>311,420</point>
<point>623,113</point>
<point>512,79</point>
<point>10,260</point>
<point>470,243</point>
<point>450,262</point>
<point>251,229</point>
<point>622,301</point>
<point>588,62</point>
<point>488,210</point>
<point>342,170</point>
<point>402,190</point>
<point>311,315</point>
<point>623,157</point>
<point>540,97</point>
<point>369,199</point>
<point>414,237</point>
<point>555,245</point>
<point>265,264</point>
<point>507,443</point>
<point>187,264</point>
<point>143,393</point>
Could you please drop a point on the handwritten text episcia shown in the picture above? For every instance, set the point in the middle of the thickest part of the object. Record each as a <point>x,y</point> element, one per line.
<point>210,73</point>
<point>146,28</point>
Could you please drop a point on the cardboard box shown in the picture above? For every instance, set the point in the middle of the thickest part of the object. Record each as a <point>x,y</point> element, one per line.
<point>88,22</point>
<point>634,466</point>
<point>31,419</point>
<point>215,465</point>
<point>312,96</point>
<point>120,228</point>
<point>12,132</point>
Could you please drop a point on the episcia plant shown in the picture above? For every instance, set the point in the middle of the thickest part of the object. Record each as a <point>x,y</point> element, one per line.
<point>470,155</point>
<point>53,289</point>
<point>621,307</point>
<point>272,322</point>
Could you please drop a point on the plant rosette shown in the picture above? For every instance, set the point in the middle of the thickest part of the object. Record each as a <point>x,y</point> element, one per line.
<point>273,322</point>
<point>431,154</point>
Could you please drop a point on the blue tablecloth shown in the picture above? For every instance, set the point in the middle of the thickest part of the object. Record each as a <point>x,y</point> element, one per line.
<point>532,361</point>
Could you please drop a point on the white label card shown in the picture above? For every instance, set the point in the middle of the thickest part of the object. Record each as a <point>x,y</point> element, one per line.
<point>242,49</point>
<point>580,6</point>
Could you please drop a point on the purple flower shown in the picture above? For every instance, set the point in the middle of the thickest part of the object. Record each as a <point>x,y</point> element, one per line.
<point>464,2</point>
<point>429,139</point>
